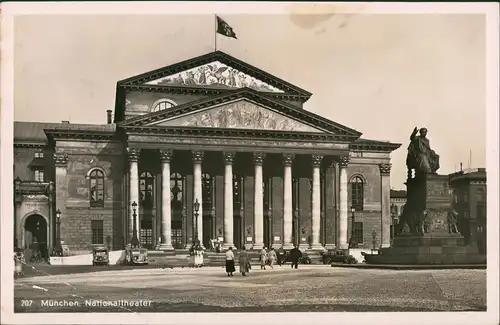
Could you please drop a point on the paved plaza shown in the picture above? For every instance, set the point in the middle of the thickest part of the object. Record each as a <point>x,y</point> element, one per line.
<point>310,288</point>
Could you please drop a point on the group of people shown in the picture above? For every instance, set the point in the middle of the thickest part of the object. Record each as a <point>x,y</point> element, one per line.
<point>265,257</point>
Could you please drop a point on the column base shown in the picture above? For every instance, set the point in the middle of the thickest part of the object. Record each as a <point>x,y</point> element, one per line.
<point>166,247</point>
<point>276,246</point>
<point>344,246</point>
<point>303,246</point>
<point>385,245</point>
<point>258,246</point>
<point>317,247</point>
<point>330,246</point>
<point>287,246</point>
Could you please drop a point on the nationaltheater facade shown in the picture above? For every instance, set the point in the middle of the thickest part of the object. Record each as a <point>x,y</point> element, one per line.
<point>211,129</point>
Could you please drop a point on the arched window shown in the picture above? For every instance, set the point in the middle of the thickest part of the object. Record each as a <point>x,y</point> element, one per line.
<point>237,191</point>
<point>146,190</point>
<point>162,104</point>
<point>357,187</point>
<point>177,204</point>
<point>207,190</point>
<point>96,188</point>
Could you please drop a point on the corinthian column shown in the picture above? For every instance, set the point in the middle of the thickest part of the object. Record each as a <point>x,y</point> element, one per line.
<point>166,213</point>
<point>316,201</point>
<point>287,201</point>
<point>228,199</point>
<point>258,217</point>
<point>198,194</point>
<point>343,163</point>
<point>133,159</point>
<point>385,189</point>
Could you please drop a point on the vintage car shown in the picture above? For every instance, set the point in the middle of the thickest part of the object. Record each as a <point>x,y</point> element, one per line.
<point>136,255</point>
<point>337,256</point>
<point>100,255</point>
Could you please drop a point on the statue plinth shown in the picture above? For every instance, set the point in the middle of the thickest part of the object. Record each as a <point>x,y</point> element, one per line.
<point>431,238</point>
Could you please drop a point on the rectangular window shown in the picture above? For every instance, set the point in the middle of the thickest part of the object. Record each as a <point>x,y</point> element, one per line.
<point>358,232</point>
<point>39,177</point>
<point>38,154</point>
<point>97,231</point>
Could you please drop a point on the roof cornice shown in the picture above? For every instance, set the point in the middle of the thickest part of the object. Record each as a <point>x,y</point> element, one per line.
<point>82,135</point>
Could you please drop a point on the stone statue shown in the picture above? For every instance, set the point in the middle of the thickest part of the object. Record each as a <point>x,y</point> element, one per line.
<point>420,156</point>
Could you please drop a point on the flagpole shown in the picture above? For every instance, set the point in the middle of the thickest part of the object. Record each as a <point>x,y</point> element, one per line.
<point>215,34</point>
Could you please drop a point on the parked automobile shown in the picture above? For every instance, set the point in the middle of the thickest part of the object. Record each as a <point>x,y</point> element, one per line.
<point>136,255</point>
<point>100,255</point>
<point>338,256</point>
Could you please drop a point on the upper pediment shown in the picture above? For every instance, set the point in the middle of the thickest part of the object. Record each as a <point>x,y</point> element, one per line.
<point>240,114</point>
<point>215,70</point>
<point>215,74</point>
<point>242,109</point>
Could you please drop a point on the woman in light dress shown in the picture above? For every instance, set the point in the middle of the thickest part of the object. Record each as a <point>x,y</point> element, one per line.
<point>272,257</point>
<point>263,258</point>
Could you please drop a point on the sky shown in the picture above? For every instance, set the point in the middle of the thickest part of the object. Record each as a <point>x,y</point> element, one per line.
<point>381,74</point>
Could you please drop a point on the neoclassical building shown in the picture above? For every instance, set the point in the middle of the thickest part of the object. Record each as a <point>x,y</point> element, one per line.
<point>211,129</point>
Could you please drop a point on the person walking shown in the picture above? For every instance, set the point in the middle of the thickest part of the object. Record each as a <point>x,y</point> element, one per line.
<point>263,258</point>
<point>272,257</point>
<point>230,262</point>
<point>295,255</point>
<point>244,262</point>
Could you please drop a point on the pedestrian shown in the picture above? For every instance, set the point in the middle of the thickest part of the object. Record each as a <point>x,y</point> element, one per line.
<point>295,255</point>
<point>263,258</point>
<point>244,262</point>
<point>272,258</point>
<point>230,262</point>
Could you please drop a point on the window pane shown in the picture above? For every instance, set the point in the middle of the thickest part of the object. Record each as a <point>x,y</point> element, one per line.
<point>97,227</point>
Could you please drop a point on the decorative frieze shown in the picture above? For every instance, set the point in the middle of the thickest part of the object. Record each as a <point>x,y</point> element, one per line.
<point>229,157</point>
<point>61,159</point>
<point>166,155</point>
<point>385,169</point>
<point>344,161</point>
<point>197,156</point>
<point>133,154</point>
<point>288,159</point>
<point>316,160</point>
<point>258,158</point>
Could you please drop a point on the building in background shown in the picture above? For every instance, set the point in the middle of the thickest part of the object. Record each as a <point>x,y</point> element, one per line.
<point>211,129</point>
<point>469,200</point>
<point>398,200</point>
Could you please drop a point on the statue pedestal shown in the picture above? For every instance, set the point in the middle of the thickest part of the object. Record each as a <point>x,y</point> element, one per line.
<point>439,244</point>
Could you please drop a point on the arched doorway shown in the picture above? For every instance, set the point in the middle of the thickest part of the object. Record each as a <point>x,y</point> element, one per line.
<point>35,235</point>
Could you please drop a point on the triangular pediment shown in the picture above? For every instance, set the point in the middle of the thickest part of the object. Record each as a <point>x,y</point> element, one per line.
<point>215,70</point>
<point>242,109</point>
<point>239,114</point>
<point>215,74</point>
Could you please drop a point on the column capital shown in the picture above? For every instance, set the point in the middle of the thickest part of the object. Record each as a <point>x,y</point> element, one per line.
<point>197,156</point>
<point>166,155</point>
<point>316,160</point>
<point>228,157</point>
<point>258,158</point>
<point>288,158</point>
<point>385,169</point>
<point>133,154</point>
<point>344,161</point>
<point>61,159</point>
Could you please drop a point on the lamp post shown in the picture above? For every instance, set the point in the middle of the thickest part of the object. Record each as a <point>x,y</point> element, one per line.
<point>374,242</point>
<point>58,248</point>
<point>353,243</point>
<point>196,213</point>
<point>135,239</point>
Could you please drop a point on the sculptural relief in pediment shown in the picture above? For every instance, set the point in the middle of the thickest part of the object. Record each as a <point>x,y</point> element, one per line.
<point>241,114</point>
<point>214,74</point>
